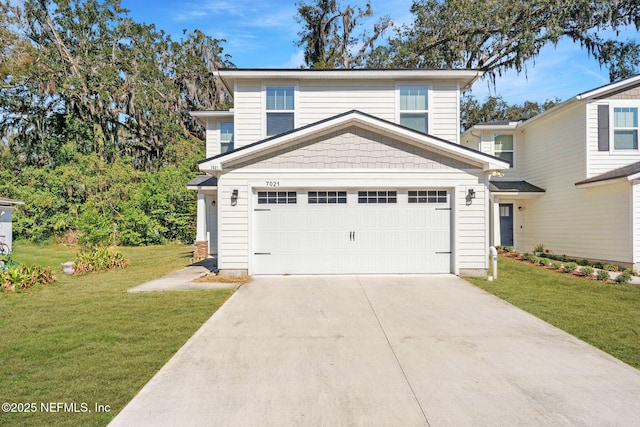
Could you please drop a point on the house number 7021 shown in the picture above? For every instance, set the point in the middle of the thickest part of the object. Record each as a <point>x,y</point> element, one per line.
<point>273,184</point>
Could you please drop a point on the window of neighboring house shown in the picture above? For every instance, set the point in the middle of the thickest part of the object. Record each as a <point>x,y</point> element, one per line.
<point>414,107</point>
<point>280,109</point>
<point>625,128</point>
<point>226,137</point>
<point>503,147</point>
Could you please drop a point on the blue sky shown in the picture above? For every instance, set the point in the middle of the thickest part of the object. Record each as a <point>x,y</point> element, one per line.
<point>262,34</point>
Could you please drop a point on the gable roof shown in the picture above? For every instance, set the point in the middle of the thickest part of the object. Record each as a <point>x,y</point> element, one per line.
<point>597,93</point>
<point>625,173</point>
<point>361,119</point>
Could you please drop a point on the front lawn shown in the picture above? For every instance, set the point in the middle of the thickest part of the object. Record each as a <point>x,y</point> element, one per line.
<point>84,340</point>
<point>606,316</point>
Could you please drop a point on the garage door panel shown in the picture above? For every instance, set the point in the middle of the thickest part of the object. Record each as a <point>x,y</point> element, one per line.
<point>350,238</point>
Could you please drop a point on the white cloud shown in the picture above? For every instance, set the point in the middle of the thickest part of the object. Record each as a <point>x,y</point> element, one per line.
<point>296,60</point>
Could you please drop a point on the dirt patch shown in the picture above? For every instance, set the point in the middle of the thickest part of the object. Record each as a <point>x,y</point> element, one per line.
<point>217,278</point>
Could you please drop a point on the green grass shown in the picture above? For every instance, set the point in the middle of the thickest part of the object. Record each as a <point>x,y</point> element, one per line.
<point>605,315</point>
<point>86,340</point>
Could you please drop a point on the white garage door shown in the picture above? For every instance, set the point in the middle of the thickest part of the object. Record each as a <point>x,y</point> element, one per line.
<point>352,231</point>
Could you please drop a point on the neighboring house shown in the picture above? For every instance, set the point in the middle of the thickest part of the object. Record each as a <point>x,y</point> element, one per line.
<point>343,172</point>
<point>574,184</point>
<point>6,214</point>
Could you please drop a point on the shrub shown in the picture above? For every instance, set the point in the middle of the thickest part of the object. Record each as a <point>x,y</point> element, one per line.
<point>598,264</point>
<point>586,271</point>
<point>611,267</point>
<point>538,248</point>
<point>623,278</point>
<point>557,265</point>
<point>628,271</point>
<point>544,261</point>
<point>98,258</point>
<point>570,267</point>
<point>530,257</point>
<point>584,262</point>
<point>603,275</point>
<point>23,277</point>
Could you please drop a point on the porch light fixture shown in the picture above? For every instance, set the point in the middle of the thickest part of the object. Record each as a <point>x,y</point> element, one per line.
<point>471,194</point>
<point>234,197</point>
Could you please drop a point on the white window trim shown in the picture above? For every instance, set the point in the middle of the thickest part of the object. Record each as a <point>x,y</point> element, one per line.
<point>514,151</point>
<point>263,103</point>
<point>429,102</point>
<point>612,142</point>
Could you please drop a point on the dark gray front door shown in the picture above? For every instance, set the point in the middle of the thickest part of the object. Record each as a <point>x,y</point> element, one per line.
<point>506,224</point>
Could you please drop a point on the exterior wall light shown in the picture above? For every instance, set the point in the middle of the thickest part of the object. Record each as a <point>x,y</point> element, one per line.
<point>471,194</point>
<point>234,197</point>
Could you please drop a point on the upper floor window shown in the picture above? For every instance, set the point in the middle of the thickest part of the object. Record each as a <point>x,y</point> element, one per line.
<point>280,109</point>
<point>503,147</point>
<point>226,137</point>
<point>414,107</point>
<point>625,128</point>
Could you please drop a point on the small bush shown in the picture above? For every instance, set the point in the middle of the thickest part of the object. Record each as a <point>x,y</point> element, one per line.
<point>623,278</point>
<point>628,271</point>
<point>98,258</point>
<point>598,264</point>
<point>544,261</point>
<point>584,262</point>
<point>603,275</point>
<point>530,257</point>
<point>611,267</point>
<point>586,271</point>
<point>24,277</point>
<point>557,265</point>
<point>570,267</point>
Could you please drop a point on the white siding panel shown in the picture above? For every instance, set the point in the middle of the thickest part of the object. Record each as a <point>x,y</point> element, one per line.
<point>585,223</point>
<point>212,143</point>
<point>247,103</point>
<point>321,99</point>
<point>443,108</point>
<point>636,224</point>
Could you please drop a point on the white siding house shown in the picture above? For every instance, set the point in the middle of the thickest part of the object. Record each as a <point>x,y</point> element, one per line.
<point>344,172</point>
<point>6,228</point>
<point>583,158</point>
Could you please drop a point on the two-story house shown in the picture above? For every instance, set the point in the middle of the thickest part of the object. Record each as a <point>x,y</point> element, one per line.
<point>574,180</point>
<point>343,172</point>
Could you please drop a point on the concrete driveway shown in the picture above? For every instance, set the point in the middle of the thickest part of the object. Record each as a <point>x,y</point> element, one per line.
<point>382,351</point>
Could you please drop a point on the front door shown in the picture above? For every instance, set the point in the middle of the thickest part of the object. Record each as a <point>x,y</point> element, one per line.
<point>506,224</point>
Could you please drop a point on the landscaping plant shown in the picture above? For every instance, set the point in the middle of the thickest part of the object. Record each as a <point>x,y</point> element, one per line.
<point>99,258</point>
<point>603,275</point>
<point>586,271</point>
<point>570,267</point>
<point>25,276</point>
<point>623,278</point>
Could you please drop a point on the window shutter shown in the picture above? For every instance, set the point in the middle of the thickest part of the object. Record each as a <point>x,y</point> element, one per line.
<point>603,128</point>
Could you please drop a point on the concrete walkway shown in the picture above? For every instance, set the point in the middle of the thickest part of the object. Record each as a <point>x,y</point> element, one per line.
<point>382,351</point>
<point>182,280</point>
